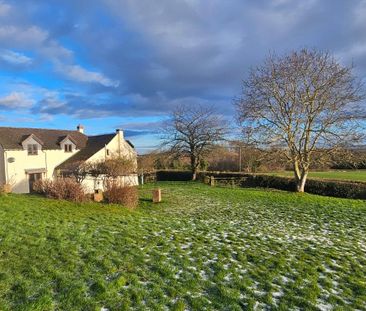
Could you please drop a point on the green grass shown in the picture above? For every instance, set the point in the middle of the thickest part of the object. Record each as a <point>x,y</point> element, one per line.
<point>349,175</point>
<point>203,248</point>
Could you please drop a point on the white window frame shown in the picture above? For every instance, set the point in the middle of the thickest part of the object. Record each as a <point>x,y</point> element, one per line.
<point>32,149</point>
<point>68,148</point>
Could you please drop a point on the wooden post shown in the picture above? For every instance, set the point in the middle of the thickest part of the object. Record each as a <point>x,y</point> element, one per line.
<point>141,179</point>
<point>212,181</point>
<point>98,195</point>
<point>156,195</point>
<point>239,159</point>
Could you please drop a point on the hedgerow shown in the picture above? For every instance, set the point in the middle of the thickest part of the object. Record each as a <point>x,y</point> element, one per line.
<point>334,188</point>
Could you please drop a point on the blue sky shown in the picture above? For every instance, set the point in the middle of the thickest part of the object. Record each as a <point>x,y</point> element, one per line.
<point>125,63</point>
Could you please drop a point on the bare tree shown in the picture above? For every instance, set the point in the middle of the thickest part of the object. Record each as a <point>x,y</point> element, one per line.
<point>146,163</point>
<point>303,102</point>
<point>192,131</point>
<point>112,167</point>
<point>78,170</point>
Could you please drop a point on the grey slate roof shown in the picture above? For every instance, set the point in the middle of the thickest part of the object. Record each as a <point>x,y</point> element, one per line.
<point>11,138</point>
<point>93,145</point>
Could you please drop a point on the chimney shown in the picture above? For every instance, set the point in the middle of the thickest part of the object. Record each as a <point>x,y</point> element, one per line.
<point>120,133</point>
<point>80,129</point>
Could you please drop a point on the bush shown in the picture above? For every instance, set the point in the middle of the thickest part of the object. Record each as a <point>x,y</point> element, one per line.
<point>117,193</point>
<point>6,188</point>
<point>269,181</point>
<point>61,189</point>
<point>340,189</point>
<point>173,175</point>
<point>333,188</point>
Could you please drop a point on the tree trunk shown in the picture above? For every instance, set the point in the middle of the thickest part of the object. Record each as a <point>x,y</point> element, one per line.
<point>300,177</point>
<point>194,174</point>
<point>300,183</point>
<point>194,166</point>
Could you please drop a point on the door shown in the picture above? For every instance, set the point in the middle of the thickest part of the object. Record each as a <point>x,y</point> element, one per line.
<point>32,179</point>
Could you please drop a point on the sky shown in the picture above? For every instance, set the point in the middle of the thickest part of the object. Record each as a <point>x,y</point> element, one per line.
<point>110,64</point>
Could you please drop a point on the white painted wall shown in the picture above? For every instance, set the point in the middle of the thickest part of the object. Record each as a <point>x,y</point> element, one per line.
<point>117,143</point>
<point>91,183</point>
<point>50,159</point>
<point>46,159</point>
<point>117,146</point>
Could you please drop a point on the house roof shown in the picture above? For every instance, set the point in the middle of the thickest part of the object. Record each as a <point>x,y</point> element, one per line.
<point>35,138</point>
<point>69,138</point>
<point>11,138</point>
<point>93,145</point>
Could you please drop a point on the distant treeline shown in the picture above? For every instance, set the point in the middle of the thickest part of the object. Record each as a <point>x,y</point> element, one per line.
<point>236,157</point>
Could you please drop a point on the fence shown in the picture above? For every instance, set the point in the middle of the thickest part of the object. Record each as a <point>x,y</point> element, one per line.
<point>224,181</point>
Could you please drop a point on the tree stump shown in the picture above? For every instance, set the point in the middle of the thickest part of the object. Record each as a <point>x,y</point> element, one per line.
<point>156,195</point>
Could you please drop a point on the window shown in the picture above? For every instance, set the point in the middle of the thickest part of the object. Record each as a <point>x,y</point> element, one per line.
<point>107,152</point>
<point>32,149</point>
<point>68,147</point>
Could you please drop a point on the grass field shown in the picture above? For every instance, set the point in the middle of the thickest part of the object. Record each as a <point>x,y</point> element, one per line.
<point>201,249</point>
<point>349,175</point>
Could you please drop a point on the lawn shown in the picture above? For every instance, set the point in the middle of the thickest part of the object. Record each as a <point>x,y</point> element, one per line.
<point>203,248</point>
<point>349,175</point>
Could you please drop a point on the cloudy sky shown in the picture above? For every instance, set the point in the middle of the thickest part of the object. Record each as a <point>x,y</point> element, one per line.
<point>125,63</point>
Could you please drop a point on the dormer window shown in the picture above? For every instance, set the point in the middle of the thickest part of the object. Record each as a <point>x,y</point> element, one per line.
<point>32,144</point>
<point>68,144</point>
<point>32,149</point>
<point>68,147</point>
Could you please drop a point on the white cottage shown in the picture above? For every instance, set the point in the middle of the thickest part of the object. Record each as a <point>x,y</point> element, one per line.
<point>29,154</point>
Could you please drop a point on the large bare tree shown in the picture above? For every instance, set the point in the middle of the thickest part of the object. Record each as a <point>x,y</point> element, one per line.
<point>192,131</point>
<point>305,102</point>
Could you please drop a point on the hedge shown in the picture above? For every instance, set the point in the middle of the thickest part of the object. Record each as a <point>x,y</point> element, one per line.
<point>334,188</point>
<point>173,175</point>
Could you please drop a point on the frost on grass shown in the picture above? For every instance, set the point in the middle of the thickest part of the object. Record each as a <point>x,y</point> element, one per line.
<point>212,249</point>
<point>267,249</point>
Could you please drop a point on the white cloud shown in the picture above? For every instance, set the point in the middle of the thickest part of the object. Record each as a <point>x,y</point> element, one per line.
<point>358,49</point>
<point>56,52</point>
<point>16,100</point>
<point>280,17</point>
<point>15,58</point>
<point>46,117</point>
<point>360,14</point>
<point>35,38</point>
<point>26,37</point>
<point>52,102</point>
<point>4,8</point>
<point>353,54</point>
<point>77,73</point>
